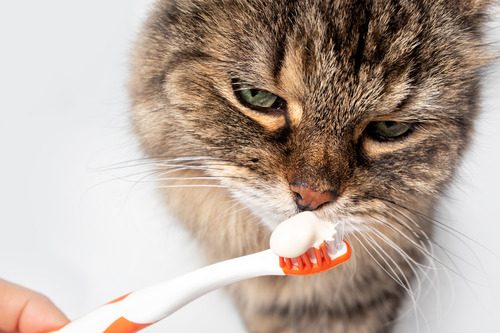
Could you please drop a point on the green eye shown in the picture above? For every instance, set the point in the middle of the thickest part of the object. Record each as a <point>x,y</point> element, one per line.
<point>388,130</point>
<point>258,99</point>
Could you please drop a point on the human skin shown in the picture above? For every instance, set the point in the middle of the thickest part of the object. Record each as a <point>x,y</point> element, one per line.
<point>26,311</point>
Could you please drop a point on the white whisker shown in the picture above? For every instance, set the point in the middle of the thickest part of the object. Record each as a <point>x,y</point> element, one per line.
<point>192,186</point>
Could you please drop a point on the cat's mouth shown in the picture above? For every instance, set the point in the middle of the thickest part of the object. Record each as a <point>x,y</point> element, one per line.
<point>345,225</point>
<point>277,204</point>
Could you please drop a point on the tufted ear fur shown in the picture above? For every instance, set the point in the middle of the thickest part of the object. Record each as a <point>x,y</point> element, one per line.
<point>475,7</point>
<point>474,13</point>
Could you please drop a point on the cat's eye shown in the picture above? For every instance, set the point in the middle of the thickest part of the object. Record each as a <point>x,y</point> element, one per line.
<point>258,99</point>
<point>388,130</point>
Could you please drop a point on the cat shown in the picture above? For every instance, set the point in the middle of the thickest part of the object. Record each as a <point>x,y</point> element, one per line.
<point>360,111</point>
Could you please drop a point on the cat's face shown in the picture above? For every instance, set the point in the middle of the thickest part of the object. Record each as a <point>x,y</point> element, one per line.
<point>372,101</point>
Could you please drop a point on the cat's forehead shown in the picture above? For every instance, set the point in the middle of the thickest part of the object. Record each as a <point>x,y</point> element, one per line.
<point>339,57</point>
<point>343,57</point>
<point>335,59</point>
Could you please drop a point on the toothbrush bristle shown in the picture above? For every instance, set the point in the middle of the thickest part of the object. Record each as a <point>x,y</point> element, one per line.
<point>315,260</point>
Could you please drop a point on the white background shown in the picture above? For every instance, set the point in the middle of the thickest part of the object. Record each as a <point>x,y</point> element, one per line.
<point>79,227</point>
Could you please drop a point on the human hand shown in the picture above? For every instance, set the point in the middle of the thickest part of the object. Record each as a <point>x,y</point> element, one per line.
<point>25,311</point>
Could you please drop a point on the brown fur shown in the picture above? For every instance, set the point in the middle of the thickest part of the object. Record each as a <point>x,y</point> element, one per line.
<point>339,65</point>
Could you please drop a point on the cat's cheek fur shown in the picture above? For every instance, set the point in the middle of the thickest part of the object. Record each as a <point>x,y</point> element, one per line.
<point>272,205</point>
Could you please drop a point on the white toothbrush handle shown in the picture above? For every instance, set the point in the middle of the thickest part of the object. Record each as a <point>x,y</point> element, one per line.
<point>167,297</point>
<point>147,306</point>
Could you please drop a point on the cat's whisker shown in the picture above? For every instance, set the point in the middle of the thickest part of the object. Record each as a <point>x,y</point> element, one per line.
<point>192,163</point>
<point>436,277</point>
<point>159,173</point>
<point>412,263</point>
<point>349,237</point>
<point>233,204</point>
<point>431,253</point>
<point>151,161</point>
<point>428,273</point>
<point>383,253</point>
<point>459,235</point>
<point>419,246</point>
<point>409,259</point>
<point>218,178</point>
<point>126,178</point>
<point>391,274</point>
<point>425,251</point>
<point>192,186</point>
<point>401,277</point>
<point>413,294</point>
<point>446,252</point>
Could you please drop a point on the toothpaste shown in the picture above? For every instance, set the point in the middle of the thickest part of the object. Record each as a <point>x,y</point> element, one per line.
<point>299,233</point>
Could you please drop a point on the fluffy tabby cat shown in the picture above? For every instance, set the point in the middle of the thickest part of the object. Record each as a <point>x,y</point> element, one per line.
<point>357,109</point>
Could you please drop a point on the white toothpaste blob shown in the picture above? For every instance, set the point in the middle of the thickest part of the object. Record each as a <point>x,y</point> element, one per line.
<point>295,236</point>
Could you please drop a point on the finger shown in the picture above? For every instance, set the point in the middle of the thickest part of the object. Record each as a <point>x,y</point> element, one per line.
<point>25,311</point>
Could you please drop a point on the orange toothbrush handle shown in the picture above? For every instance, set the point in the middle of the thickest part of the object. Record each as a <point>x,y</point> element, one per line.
<point>122,325</point>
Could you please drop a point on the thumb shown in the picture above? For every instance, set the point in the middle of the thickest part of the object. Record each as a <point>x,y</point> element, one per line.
<point>25,311</point>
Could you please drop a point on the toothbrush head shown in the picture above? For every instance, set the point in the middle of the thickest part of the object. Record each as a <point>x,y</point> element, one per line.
<point>307,244</point>
<point>317,260</point>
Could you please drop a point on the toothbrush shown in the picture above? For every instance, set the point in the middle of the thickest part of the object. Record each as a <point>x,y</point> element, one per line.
<point>140,309</point>
<point>143,308</point>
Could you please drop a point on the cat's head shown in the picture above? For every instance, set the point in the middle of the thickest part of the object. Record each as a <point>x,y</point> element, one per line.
<point>352,108</point>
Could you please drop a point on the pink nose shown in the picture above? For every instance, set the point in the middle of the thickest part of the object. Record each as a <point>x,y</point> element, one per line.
<point>309,199</point>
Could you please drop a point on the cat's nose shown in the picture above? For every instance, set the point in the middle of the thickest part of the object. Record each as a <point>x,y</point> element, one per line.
<point>309,199</point>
